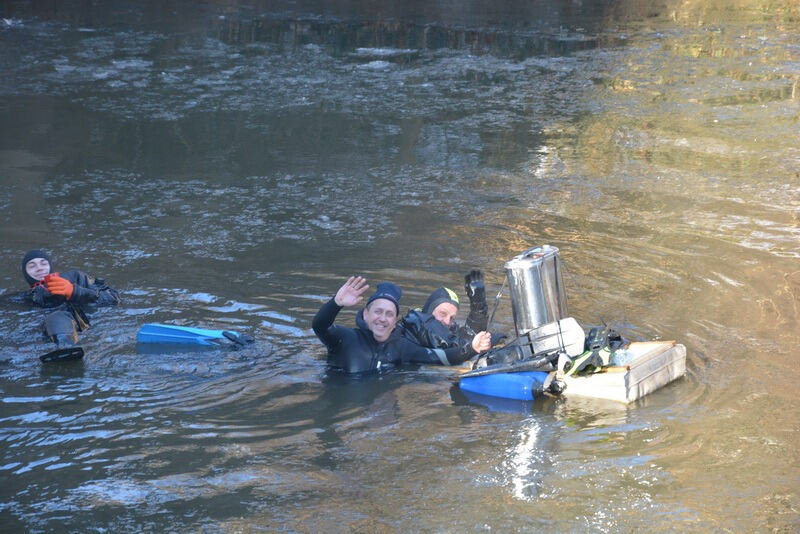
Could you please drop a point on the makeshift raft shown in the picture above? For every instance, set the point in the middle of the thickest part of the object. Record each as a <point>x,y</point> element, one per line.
<point>654,365</point>
<point>539,304</point>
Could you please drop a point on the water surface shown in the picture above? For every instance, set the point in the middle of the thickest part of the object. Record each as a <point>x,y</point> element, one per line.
<point>229,164</point>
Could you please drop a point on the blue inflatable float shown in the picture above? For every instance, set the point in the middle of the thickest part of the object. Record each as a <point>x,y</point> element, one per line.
<point>523,385</point>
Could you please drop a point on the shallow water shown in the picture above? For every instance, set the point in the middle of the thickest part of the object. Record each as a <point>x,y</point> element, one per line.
<point>228,164</point>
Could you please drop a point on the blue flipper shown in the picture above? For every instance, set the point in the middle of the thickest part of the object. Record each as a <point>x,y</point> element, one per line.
<point>187,335</point>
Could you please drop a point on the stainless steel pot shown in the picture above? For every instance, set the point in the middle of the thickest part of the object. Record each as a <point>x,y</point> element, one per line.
<point>536,287</point>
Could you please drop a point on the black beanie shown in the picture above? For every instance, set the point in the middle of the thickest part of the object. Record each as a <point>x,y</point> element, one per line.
<point>32,254</point>
<point>437,297</point>
<point>388,291</point>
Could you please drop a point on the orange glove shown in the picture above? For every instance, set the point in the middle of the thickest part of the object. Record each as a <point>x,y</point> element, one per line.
<point>59,286</point>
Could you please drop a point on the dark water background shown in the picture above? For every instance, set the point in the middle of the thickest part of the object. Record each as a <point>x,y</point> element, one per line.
<point>228,164</point>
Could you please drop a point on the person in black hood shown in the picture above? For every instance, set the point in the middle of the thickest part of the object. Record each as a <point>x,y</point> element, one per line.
<point>374,344</point>
<point>434,325</point>
<point>68,296</point>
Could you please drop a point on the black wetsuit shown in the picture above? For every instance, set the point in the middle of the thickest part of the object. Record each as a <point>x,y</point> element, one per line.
<point>68,317</point>
<point>424,329</point>
<point>355,350</point>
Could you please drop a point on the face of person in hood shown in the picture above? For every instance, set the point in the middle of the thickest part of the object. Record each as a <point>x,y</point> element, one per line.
<point>445,313</point>
<point>380,316</point>
<point>37,268</point>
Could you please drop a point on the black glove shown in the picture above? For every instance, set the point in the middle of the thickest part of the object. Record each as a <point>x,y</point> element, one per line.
<point>474,287</point>
<point>478,317</point>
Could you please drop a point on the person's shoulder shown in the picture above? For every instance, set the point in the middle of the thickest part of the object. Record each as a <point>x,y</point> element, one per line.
<point>342,331</point>
<point>417,316</point>
<point>75,275</point>
<point>411,337</point>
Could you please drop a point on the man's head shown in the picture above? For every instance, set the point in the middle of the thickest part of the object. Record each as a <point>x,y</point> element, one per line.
<point>443,305</point>
<point>382,310</point>
<point>35,265</point>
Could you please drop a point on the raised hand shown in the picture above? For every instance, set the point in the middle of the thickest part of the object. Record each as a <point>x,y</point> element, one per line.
<point>351,292</point>
<point>473,285</point>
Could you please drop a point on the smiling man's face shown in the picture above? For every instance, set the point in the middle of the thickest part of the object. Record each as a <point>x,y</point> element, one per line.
<point>380,315</point>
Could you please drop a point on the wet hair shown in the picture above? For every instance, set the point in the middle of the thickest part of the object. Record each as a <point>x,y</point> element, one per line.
<point>31,255</point>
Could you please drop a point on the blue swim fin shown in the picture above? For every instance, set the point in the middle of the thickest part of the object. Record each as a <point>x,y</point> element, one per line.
<point>187,335</point>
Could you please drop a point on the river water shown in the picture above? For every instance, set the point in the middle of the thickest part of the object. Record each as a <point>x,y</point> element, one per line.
<point>229,164</point>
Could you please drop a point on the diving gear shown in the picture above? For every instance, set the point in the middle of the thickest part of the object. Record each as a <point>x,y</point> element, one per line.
<point>424,329</point>
<point>71,295</point>
<point>478,319</point>
<point>64,341</point>
<point>565,336</point>
<point>66,349</point>
<point>59,286</point>
<point>541,363</point>
<point>31,255</point>
<point>355,350</point>
<point>61,355</point>
<point>188,335</point>
<point>439,296</point>
<point>599,346</point>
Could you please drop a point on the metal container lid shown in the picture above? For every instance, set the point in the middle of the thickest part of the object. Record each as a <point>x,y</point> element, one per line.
<point>531,256</point>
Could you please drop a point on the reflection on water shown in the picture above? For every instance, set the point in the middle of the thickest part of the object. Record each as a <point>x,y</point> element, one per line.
<point>227,164</point>
<point>402,42</point>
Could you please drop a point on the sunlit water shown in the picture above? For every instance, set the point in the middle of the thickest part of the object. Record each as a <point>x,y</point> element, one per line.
<point>228,165</point>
